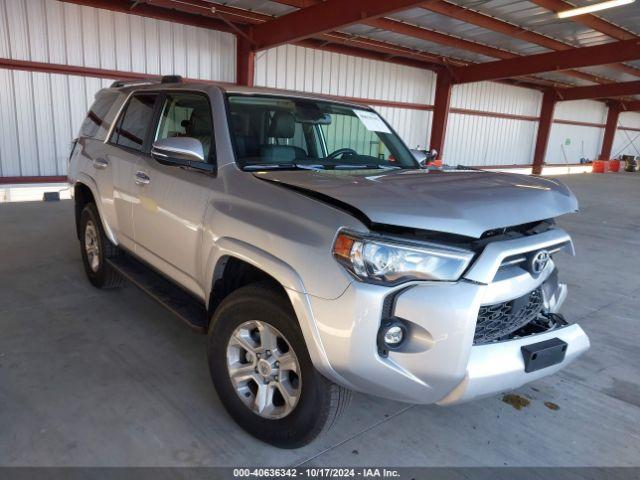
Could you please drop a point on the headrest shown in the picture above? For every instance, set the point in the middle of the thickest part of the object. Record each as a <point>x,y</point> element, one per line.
<point>283,125</point>
<point>240,124</point>
<point>200,124</point>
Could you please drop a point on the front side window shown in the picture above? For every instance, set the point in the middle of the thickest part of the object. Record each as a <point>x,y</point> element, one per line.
<point>272,132</point>
<point>187,115</point>
<point>131,130</point>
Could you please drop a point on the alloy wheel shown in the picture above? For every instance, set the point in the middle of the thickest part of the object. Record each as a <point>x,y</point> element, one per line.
<point>92,246</point>
<point>264,370</point>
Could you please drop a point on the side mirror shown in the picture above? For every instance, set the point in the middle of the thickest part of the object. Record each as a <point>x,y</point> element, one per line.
<point>419,155</point>
<point>184,152</point>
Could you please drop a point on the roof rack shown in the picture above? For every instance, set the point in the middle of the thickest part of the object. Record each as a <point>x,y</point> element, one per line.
<point>130,83</point>
<point>171,79</point>
<point>141,81</point>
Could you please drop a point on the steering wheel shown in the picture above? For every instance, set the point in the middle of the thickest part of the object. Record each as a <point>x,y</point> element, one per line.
<point>341,151</point>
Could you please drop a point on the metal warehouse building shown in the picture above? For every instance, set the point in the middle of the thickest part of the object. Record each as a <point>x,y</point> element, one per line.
<point>472,309</point>
<point>55,55</point>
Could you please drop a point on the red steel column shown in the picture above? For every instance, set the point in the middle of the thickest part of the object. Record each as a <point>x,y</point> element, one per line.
<point>440,111</point>
<point>245,58</point>
<point>609,131</point>
<point>544,127</point>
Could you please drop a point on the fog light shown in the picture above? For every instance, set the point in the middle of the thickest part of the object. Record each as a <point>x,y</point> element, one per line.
<point>393,336</point>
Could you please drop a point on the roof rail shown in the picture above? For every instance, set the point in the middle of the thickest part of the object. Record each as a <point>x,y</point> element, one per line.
<point>131,83</point>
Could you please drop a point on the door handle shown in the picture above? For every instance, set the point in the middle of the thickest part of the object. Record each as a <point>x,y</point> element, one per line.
<point>100,163</point>
<point>142,178</point>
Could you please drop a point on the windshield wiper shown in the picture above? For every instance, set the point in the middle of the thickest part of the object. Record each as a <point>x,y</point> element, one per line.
<point>365,167</point>
<point>301,166</point>
<point>270,166</point>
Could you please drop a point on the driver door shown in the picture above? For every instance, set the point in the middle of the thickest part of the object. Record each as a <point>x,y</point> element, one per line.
<point>169,216</point>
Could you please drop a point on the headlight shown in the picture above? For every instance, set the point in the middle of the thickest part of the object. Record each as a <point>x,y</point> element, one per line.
<point>389,263</point>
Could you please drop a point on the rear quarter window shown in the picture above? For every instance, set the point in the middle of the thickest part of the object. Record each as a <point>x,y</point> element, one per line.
<point>96,119</point>
<point>134,123</point>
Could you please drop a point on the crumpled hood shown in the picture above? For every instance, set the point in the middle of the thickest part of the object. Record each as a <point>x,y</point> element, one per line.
<point>462,202</point>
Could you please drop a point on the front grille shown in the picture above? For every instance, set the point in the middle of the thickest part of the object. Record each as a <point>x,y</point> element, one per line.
<point>495,322</point>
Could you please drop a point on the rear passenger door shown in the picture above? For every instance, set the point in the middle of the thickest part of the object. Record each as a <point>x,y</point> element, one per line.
<point>172,201</point>
<point>129,138</point>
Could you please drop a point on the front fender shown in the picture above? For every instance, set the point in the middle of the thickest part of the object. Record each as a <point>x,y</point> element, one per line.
<point>287,277</point>
<point>89,182</point>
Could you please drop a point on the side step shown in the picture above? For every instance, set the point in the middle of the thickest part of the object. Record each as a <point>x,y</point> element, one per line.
<point>188,308</point>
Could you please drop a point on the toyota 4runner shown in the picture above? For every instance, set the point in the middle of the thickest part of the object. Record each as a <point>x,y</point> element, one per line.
<point>320,257</point>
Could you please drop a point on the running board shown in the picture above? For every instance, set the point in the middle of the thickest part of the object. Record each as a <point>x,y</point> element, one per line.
<point>171,296</point>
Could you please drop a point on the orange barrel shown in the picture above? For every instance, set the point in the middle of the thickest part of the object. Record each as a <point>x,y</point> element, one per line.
<point>598,166</point>
<point>614,165</point>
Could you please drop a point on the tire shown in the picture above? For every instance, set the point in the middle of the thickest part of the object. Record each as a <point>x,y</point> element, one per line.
<point>319,401</point>
<point>99,272</point>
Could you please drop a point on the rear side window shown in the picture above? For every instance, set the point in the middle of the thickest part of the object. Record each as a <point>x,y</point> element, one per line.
<point>131,129</point>
<point>96,116</point>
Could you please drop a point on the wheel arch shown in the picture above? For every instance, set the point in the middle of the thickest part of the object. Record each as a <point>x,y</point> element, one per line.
<point>234,252</point>
<point>85,191</point>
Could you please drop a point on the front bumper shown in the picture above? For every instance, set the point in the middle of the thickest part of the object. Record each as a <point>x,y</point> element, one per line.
<point>500,367</point>
<point>438,363</point>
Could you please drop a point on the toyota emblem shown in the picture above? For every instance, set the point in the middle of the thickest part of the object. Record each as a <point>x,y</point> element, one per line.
<point>539,262</point>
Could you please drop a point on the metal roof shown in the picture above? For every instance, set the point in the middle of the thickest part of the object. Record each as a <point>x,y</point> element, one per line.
<point>500,29</point>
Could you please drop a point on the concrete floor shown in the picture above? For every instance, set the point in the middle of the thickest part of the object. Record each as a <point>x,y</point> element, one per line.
<point>110,378</point>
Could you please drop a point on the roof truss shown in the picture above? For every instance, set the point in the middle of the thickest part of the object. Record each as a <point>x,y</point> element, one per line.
<point>322,18</point>
<point>549,62</point>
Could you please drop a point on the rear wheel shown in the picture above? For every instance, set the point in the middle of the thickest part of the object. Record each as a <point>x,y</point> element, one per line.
<point>96,248</point>
<point>262,371</point>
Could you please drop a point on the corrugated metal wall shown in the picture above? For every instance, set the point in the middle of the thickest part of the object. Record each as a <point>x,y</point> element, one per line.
<point>308,70</point>
<point>481,140</point>
<point>40,113</point>
<point>627,142</point>
<point>570,143</point>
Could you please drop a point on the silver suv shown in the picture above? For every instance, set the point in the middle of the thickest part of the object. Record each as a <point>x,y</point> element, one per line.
<point>301,234</point>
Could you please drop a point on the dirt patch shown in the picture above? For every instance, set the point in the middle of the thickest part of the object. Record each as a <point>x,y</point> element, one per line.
<point>516,401</point>
<point>552,406</point>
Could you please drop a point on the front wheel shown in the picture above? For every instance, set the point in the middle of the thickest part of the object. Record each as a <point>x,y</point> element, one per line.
<point>96,249</point>
<point>262,371</point>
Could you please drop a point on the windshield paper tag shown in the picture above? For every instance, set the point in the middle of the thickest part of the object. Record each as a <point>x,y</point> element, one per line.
<point>372,121</point>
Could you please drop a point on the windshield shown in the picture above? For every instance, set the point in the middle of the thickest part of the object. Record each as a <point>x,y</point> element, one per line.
<point>271,132</point>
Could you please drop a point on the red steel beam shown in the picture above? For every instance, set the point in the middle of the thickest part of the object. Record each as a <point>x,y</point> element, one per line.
<point>213,10</point>
<point>490,23</point>
<point>631,106</point>
<point>42,179</point>
<point>390,49</point>
<point>437,37</point>
<point>544,128</point>
<point>80,71</point>
<point>598,91</point>
<point>366,51</point>
<point>245,62</point>
<point>609,131</point>
<point>440,112</point>
<point>321,18</point>
<point>460,43</point>
<point>153,11</point>
<point>549,62</point>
